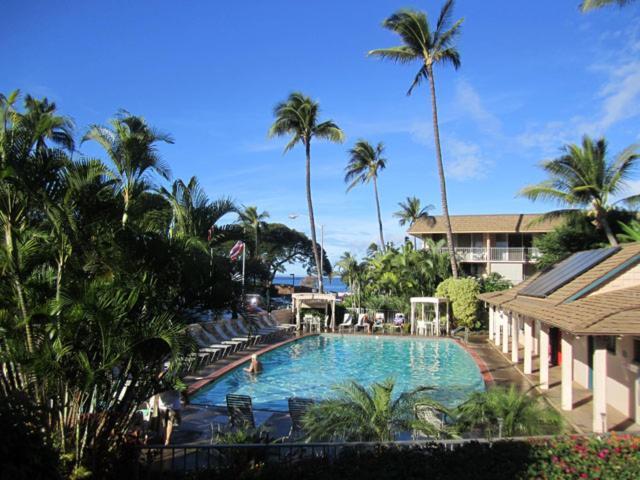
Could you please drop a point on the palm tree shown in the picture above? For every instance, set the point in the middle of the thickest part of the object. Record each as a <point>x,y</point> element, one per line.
<point>517,412</point>
<point>429,47</point>
<point>131,145</point>
<point>351,273</point>
<point>410,212</point>
<point>297,116</point>
<point>584,178</point>
<point>41,119</point>
<point>361,414</point>
<point>365,162</point>
<point>252,220</point>
<point>588,5</point>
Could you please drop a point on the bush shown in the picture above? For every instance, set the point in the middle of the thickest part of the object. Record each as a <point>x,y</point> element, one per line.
<point>494,282</point>
<point>462,293</point>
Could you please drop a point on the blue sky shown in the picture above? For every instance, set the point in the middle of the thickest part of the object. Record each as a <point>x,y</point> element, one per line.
<point>534,75</point>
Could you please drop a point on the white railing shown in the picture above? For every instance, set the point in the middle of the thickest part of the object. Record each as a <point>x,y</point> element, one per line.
<point>495,254</point>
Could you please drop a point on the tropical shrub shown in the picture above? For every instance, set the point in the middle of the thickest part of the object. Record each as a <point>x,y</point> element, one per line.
<point>515,413</point>
<point>494,282</point>
<point>361,414</point>
<point>615,457</point>
<point>462,293</point>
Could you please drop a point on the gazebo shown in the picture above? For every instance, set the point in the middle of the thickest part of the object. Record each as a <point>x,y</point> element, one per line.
<point>314,300</point>
<point>436,302</point>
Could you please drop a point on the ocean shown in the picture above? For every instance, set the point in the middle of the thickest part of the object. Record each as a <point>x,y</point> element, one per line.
<point>330,284</point>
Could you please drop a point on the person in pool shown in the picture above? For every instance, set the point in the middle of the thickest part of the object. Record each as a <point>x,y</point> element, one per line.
<point>255,366</point>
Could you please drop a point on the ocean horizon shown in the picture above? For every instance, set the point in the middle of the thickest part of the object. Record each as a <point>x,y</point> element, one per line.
<point>330,284</point>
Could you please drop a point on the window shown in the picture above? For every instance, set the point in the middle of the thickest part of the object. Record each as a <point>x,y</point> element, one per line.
<point>611,344</point>
<point>636,350</point>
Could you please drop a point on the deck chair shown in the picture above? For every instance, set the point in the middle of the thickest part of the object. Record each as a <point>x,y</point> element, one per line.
<point>240,411</point>
<point>226,338</point>
<point>429,414</point>
<point>378,324</point>
<point>347,323</point>
<point>235,336</point>
<point>297,408</point>
<point>361,324</point>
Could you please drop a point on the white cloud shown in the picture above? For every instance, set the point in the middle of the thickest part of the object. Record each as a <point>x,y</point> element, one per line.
<point>464,160</point>
<point>621,95</point>
<point>469,101</point>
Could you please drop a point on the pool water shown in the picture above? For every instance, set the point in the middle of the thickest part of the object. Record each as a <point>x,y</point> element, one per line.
<point>310,367</point>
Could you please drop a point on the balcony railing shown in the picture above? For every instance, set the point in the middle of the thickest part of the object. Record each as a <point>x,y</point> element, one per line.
<point>495,254</point>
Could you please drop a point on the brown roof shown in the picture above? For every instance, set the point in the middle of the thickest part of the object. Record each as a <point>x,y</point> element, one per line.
<point>615,312</point>
<point>508,223</point>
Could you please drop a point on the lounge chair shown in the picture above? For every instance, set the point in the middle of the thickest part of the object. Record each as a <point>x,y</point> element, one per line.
<point>429,414</point>
<point>347,323</point>
<point>206,352</point>
<point>215,336</point>
<point>240,411</point>
<point>250,339</point>
<point>248,330</point>
<point>205,339</point>
<point>398,322</point>
<point>272,322</point>
<point>378,324</point>
<point>361,324</point>
<point>254,328</point>
<point>226,338</point>
<point>297,408</point>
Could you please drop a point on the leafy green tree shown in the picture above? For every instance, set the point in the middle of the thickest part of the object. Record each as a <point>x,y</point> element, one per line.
<point>585,178</point>
<point>297,117</point>
<point>462,293</point>
<point>361,414</point>
<point>253,221</point>
<point>630,231</point>
<point>410,212</point>
<point>518,413</point>
<point>131,145</point>
<point>428,46</point>
<point>588,5</point>
<point>365,164</point>
<point>494,282</point>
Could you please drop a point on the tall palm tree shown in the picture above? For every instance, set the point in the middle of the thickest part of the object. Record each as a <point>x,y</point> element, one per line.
<point>429,47</point>
<point>588,5</point>
<point>131,145</point>
<point>410,212</point>
<point>297,116</point>
<point>365,163</point>
<point>361,414</point>
<point>252,220</point>
<point>519,413</point>
<point>40,117</point>
<point>583,177</point>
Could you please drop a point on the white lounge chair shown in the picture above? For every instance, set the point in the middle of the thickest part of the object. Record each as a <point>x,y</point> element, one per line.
<point>361,323</point>
<point>378,324</point>
<point>347,322</point>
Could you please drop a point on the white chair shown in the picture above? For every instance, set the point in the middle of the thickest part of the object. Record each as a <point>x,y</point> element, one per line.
<point>361,323</point>
<point>422,327</point>
<point>379,322</point>
<point>347,323</point>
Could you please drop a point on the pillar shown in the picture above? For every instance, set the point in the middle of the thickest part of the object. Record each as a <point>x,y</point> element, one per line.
<point>515,344</point>
<point>505,332</point>
<point>536,337</point>
<point>599,385</point>
<point>544,357</point>
<point>413,318</point>
<point>567,371</point>
<point>497,319</point>
<point>528,345</point>
<point>491,309</point>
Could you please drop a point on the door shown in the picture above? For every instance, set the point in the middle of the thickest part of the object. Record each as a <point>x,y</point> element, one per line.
<point>555,339</point>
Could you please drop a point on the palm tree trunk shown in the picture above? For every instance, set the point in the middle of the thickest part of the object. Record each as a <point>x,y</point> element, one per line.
<point>602,220</point>
<point>312,222</point>
<point>255,254</point>
<point>375,189</point>
<point>443,184</point>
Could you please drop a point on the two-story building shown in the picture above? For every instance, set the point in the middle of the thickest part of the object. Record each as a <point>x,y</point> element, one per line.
<point>490,243</point>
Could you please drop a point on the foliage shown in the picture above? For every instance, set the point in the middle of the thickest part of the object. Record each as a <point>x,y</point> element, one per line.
<point>520,414</point>
<point>365,164</point>
<point>494,282</point>
<point>577,233</point>
<point>584,177</point>
<point>26,450</point>
<point>630,231</point>
<point>462,293</point>
<point>615,457</point>
<point>588,5</point>
<point>410,212</point>
<point>427,45</point>
<point>361,414</point>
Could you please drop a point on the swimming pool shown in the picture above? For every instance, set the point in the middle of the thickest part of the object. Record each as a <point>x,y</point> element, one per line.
<point>310,367</point>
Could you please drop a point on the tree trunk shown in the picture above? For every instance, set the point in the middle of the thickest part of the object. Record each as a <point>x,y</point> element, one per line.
<point>602,220</point>
<point>443,184</point>
<point>375,189</point>
<point>312,222</point>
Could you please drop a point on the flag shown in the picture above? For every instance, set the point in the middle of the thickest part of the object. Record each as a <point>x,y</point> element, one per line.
<point>236,251</point>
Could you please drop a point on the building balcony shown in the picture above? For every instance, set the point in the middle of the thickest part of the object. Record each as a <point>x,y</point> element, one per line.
<point>495,254</point>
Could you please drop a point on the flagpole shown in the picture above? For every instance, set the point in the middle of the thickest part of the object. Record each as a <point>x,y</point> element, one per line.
<point>244,249</point>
